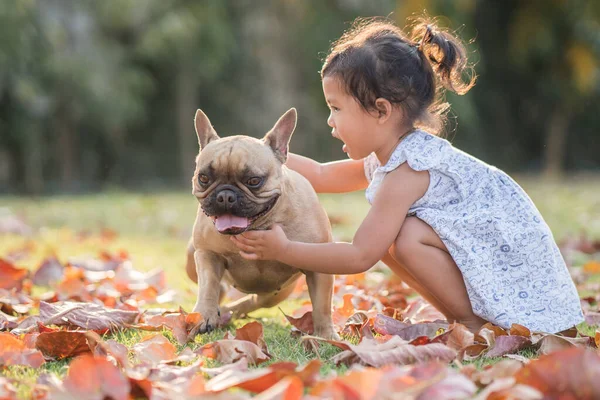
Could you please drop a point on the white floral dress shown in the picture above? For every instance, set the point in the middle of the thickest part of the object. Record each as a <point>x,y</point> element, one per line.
<point>511,265</point>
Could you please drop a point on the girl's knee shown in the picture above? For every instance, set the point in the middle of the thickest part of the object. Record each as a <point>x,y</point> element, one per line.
<point>408,238</point>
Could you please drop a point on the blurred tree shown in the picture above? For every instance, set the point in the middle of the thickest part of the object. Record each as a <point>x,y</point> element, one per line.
<point>539,65</point>
<point>95,93</point>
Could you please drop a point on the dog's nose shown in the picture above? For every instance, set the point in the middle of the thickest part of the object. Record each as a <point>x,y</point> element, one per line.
<point>226,197</point>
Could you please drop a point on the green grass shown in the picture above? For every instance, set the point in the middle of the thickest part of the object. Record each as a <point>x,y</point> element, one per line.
<point>154,227</point>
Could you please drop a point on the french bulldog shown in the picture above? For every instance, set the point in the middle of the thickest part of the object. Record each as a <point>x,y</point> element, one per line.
<point>241,184</point>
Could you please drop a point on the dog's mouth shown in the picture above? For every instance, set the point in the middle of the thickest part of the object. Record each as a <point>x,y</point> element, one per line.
<point>229,224</point>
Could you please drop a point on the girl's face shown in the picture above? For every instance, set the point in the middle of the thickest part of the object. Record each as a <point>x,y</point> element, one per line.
<point>350,122</point>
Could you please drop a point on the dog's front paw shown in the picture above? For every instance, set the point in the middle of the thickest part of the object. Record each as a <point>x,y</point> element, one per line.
<point>211,319</point>
<point>326,332</point>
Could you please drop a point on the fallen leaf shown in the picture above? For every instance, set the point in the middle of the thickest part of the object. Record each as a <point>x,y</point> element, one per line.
<point>11,276</point>
<point>572,373</point>
<point>289,388</point>
<point>13,351</point>
<point>252,332</point>
<point>304,324</point>
<point>549,343</point>
<point>94,379</point>
<point>86,315</point>
<point>508,344</point>
<point>50,271</point>
<point>231,350</point>
<point>154,349</point>
<point>385,325</point>
<point>456,337</point>
<point>508,389</point>
<point>394,351</point>
<point>502,369</point>
<point>62,344</point>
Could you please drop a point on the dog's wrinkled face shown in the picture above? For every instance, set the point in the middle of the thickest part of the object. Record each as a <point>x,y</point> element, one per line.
<point>238,179</point>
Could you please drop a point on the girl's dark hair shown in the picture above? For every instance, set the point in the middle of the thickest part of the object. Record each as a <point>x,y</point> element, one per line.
<point>374,59</point>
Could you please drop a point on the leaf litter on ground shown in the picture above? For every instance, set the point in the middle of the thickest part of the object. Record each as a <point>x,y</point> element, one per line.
<point>394,342</point>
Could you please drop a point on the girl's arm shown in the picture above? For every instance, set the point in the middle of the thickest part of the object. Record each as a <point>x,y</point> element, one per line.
<point>334,177</point>
<point>398,191</point>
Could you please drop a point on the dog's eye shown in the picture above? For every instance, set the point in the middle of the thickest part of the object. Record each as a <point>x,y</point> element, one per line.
<point>256,181</point>
<point>203,179</point>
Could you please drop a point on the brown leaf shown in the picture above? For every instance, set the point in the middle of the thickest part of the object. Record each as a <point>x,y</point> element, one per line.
<point>259,380</point>
<point>304,324</point>
<point>394,351</point>
<point>421,311</point>
<point>516,329</point>
<point>255,380</point>
<point>154,349</point>
<point>549,343</point>
<point>11,276</point>
<point>358,384</point>
<point>456,337</point>
<point>50,271</point>
<point>502,369</point>
<point>86,315</point>
<point>452,386</point>
<point>508,344</point>
<point>252,332</point>
<point>571,373</point>
<point>428,329</point>
<point>471,352</point>
<point>592,318</point>
<point>109,349</point>
<point>385,325</point>
<point>341,314</point>
<point>508,389</point>
<point>356,323</point>
<point>13,351</point>
<point>176,322</point>
<point>230,350</point>
<point>7,322</point>
<point>62,344</point>
<point>95,378</point>
<point>241,366</point>
<point>289,388</point>
<point>7,389</point>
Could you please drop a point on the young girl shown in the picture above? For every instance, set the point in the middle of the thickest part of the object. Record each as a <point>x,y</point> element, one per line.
<point>460,232</point>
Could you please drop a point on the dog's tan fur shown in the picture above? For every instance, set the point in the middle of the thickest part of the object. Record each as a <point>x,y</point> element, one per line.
<point>213,258</point>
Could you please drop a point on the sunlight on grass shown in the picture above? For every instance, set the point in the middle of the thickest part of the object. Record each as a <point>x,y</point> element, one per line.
<point>154,228</point>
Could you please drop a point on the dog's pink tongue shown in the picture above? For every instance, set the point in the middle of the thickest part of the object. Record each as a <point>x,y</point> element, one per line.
<point>228,221</point>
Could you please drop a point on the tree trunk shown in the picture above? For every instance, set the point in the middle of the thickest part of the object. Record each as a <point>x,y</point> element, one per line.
<point>554,148</point>
<point>66,150</point>
<point>32,157</point>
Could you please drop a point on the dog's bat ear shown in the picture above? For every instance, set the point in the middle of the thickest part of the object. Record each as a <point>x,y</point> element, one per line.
<point>204,129</point>
<point>278,138</point>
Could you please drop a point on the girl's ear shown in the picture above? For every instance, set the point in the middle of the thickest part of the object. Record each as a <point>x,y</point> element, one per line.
<point>384,109</point>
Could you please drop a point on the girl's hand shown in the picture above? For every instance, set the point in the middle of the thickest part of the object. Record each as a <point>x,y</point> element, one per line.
<point>262,245</point>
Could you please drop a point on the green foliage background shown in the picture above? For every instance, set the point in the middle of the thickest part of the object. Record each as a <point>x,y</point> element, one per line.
<point>97,94</point>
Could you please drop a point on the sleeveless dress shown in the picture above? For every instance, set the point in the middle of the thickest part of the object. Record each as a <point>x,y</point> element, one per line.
<point>511,265</point>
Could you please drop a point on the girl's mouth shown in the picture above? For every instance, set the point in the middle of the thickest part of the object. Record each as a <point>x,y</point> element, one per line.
<point>344,149</point>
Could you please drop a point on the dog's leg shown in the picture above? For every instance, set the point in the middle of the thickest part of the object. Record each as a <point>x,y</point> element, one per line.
<point>253,302</point>
<point>320,289</point>
<point>209,271</point>
<point>190,266</point>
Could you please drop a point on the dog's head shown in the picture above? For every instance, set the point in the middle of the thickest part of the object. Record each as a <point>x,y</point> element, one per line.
<point>238,178</point>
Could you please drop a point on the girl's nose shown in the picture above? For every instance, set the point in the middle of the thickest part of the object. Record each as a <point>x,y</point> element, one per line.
<point>330,120</point>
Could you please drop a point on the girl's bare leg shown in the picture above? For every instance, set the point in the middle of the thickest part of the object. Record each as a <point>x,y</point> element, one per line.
<point>422,257</point>
<point>410,280</point>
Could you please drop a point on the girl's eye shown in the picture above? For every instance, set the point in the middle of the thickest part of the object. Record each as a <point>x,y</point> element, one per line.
<point>203,179</point>
<point>256,181</point>
<point>335,109</point>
